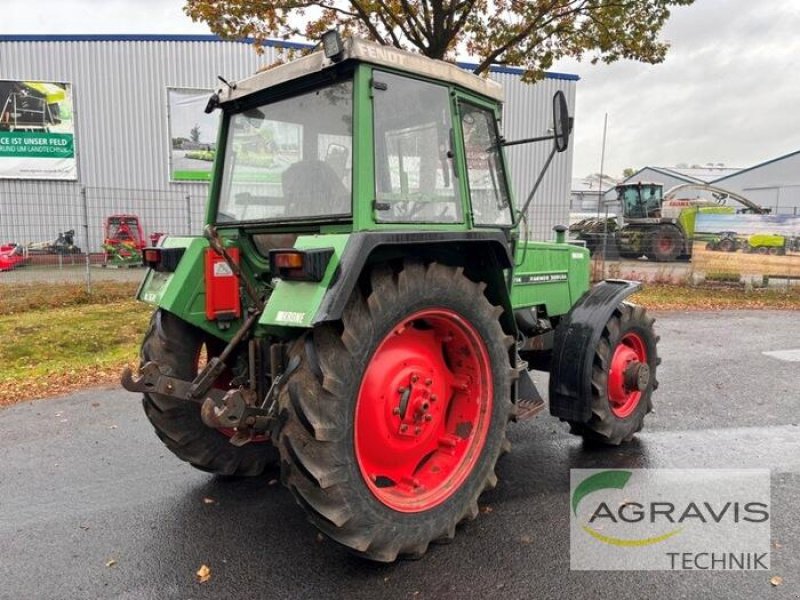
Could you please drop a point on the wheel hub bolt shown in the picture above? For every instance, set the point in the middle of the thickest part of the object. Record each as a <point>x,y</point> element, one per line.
<point>403,428</point>
<point>417,430</point>
<point>429,381</point>
<point>396,410</point>
<point>414,378</point>
<point>433,397</point>
<point>428,418</point>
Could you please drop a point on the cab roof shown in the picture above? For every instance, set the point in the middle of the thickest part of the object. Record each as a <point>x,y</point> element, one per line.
<point>360,50</point>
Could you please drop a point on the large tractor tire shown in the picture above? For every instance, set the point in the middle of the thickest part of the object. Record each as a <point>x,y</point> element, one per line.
<point>727,245</point>
<point>623,377</point>
<point>664,244</point>
<point>396,416</point>
<point>177,347</point>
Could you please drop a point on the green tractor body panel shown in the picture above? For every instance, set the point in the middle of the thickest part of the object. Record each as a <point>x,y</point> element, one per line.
<point>296,303</point>
<point>183,292</point>
<point>551,275</point>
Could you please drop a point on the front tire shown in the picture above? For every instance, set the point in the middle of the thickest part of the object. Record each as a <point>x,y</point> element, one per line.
<point>176,346</point>
<point>623,377</point>
<point>397,415</point>
<point>664,244</point>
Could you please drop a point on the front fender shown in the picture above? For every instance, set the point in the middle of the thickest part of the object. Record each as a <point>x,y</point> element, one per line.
<point>576,339</point>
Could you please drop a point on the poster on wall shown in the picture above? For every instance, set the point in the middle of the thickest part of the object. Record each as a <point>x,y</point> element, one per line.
<point>37,133</point>
<point>192,134</point>
<point>747,244</point>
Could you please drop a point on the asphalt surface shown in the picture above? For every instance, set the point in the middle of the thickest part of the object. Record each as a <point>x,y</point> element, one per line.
<point>84,481</point>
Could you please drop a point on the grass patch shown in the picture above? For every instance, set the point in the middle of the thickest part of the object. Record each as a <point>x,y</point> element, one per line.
<point>55,350</point>
<point>25,297</point>
<point>57,339</point>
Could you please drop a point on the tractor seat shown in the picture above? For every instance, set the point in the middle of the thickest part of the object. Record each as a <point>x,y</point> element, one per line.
<point>311,187</point>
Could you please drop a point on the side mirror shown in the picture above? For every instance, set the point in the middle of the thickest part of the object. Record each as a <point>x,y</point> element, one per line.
<point>562,122</point>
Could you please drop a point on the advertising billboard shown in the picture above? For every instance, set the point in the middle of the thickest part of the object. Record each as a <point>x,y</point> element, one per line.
<point>192,134</point>
<point>37,132</point>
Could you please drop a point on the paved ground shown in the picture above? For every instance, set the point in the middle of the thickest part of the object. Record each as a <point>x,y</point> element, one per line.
<point>83,480</point>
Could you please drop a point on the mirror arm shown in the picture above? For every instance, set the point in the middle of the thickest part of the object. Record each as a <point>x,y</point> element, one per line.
<point>536,185</point>
<point>527,140</point>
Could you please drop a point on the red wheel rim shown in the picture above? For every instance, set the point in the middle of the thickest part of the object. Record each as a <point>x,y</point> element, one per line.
<point>628,375</point>
<point>665,243</point>
<point>423,410</point>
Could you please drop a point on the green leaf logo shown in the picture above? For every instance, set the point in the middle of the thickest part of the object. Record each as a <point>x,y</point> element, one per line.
<point>611,480</point>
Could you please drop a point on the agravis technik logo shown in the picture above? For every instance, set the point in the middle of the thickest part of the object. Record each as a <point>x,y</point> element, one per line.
<point>642,519</point>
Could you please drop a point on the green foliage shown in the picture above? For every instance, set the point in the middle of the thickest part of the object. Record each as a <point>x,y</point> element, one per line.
<point>723,276</point>
<point>532,35</point>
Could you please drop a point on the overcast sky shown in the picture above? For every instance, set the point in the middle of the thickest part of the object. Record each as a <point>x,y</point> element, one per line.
<point>727,93</point>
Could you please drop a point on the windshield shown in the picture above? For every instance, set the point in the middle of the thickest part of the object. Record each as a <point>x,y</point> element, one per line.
<point>290,159</point>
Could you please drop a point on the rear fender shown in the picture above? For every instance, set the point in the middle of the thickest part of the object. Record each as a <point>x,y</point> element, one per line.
<point>576,339</point>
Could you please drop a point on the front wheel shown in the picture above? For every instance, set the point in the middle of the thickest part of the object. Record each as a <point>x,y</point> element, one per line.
<point>623,377</point>
<point>397,415</point>
<point>664,244</point>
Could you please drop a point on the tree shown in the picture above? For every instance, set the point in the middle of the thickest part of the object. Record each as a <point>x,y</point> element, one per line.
<point>629,172</point>
<point>531,35</point>
<point>194,133</point>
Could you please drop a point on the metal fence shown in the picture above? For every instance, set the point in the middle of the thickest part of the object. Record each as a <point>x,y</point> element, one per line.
<point>35,221</point>
<point>62,235</point>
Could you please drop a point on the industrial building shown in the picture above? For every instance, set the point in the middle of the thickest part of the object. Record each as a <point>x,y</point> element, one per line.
<point>773,184</point>
<point>134,104</point>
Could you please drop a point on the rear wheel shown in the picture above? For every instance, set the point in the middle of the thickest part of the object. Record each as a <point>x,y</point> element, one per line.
<point>664,244</point>
<point>623,377</point>
<point>177,347</point>
<point>396,416</point>
<point>727,245</point>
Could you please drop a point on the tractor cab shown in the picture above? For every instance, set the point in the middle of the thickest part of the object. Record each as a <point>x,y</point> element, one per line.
<point>640,200</point>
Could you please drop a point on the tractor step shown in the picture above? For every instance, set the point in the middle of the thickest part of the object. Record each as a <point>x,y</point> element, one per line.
<point>529,402</point>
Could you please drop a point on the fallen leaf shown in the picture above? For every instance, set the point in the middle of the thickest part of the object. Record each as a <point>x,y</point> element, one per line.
<point>776,581</point>
<point>203,574</point>
<point>526,539</point>
<point>207,500</point>
<point>111,562</point>
<point>112,427</point>
<point>272,482</point>
<point>486,509</point>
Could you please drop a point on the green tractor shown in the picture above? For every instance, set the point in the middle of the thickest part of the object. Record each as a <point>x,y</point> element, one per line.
<point>658,225</point>
<point>362,311</point>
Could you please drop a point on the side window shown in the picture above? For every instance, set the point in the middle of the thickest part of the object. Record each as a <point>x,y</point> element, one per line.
<point>414,177</point>
<point>491,203</point>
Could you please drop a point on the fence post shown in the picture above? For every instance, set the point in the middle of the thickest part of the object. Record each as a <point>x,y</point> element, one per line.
<point>87,253</point>
<point>189,214</point>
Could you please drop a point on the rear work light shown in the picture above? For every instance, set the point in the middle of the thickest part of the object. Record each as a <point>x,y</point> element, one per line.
<point>162,259</point>
<point>299,265</point>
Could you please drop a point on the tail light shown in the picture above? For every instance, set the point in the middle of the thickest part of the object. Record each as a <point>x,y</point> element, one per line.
<point>162,259</point>
<point>299,265</point>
